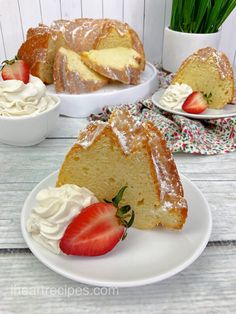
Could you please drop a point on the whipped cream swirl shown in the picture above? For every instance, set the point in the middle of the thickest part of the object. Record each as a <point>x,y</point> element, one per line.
<point>56,207</point>
<point>20,99</point>
<point>175,95</point>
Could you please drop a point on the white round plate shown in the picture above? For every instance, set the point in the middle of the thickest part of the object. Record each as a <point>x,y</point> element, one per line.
<point>228,111</point>
<point>82,105</point>
<point>143,258</point>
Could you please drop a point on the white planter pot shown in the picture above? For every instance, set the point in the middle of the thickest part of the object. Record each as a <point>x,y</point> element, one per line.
<point>178,46</point>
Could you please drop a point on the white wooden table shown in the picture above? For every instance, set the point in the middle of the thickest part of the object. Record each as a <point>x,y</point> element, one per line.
<point>27,286</point>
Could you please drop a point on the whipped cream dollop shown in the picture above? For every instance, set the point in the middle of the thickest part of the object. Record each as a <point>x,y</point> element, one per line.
<point>56,207</point>
<point>175,95</point>
<point>20,99</point>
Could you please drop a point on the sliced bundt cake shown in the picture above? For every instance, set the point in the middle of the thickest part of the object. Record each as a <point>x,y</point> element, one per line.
<point>208,71</point>
<point>123,152</point>
<point>79,35</point>
<point>71,75</point>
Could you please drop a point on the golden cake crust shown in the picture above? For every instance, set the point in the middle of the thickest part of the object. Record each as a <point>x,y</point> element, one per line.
<point>131,138</point>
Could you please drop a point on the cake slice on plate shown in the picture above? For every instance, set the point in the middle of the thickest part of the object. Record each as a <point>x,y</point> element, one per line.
<point>120,64</point>
<point>71,75</point>
<point>208,71</point>
<point>124,152</point>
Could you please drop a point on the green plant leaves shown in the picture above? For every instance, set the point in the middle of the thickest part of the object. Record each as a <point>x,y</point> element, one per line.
<point>200,16</point>
<point>188,14</point>
<point>215,13</point>
<point>226,10</point>
<point>201,12</point>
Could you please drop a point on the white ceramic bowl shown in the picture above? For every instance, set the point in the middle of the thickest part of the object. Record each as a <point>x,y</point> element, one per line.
<point>29,130</point>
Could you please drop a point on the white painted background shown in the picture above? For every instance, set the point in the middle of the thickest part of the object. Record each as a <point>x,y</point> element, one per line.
<point>147,17</point>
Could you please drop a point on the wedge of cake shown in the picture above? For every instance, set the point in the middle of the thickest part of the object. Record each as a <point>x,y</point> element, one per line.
<point>120,64</point>
<point>124,152</point>
<point>71,75</point>
<point>208,71</point>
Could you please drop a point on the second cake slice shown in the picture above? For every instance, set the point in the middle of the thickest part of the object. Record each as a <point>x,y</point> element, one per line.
<point>71,75</point>
<point>120,64</point>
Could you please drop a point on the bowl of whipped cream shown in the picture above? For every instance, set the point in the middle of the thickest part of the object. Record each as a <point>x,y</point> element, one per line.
<point>28,113</point>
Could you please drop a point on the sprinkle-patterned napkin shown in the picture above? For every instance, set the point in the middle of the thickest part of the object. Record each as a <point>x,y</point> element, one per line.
<point>206,137</point>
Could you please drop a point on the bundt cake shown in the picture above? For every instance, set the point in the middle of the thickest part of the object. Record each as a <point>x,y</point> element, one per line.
<point>83,34</point>
<point>208,71</point>
<point>110,155</point>
<point>71,75</point>
<point>120,64</point>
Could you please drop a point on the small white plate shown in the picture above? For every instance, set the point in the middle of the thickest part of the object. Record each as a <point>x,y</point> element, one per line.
<point>228,111</point>
<point>143,258</point>
<point>82,105</point>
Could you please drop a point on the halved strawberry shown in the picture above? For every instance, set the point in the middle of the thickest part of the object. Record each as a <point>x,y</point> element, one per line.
<point>195,103</point>
<point>97,229</point>
<point>15,70</point>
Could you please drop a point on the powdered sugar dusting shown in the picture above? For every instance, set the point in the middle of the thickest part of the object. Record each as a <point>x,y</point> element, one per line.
<point>93,130</point>
<point>216,57</point>
<point>128,131</point>
<point>82,34</point>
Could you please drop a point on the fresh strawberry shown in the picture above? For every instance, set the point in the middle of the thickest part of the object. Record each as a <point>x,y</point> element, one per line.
<point>195,103</point>
<point>97,228</point>
<point>15,70</point>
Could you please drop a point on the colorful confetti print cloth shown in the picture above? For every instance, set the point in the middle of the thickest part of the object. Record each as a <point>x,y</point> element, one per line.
<point>206,137</point>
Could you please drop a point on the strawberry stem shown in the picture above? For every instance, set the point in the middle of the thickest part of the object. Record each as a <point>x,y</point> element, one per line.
<point>122,212</point>
<point>9,62</point>
<point>116,200</point>
<point>207,97</point>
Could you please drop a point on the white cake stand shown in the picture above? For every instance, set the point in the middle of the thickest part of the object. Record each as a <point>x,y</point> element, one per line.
<point>83,105</point>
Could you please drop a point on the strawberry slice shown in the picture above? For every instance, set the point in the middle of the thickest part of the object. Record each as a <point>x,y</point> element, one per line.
<point>97,228</point>
<point>195,103</point>
<point>15,70</point>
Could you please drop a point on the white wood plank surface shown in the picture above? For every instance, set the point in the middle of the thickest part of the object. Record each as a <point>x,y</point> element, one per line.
<point>30,12</point>
<point>154,29</point>
<point>206,287</point>
<point>134,15</point>
<point>92,8</point>
<point>51,10</point>
<point>2,45</point>
<point>11,26</point>
<point>71,9</point>
<point>113,9</point>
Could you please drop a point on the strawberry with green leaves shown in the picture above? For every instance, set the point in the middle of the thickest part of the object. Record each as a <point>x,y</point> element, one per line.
<point>196,102</point>
<point>98,228</point>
